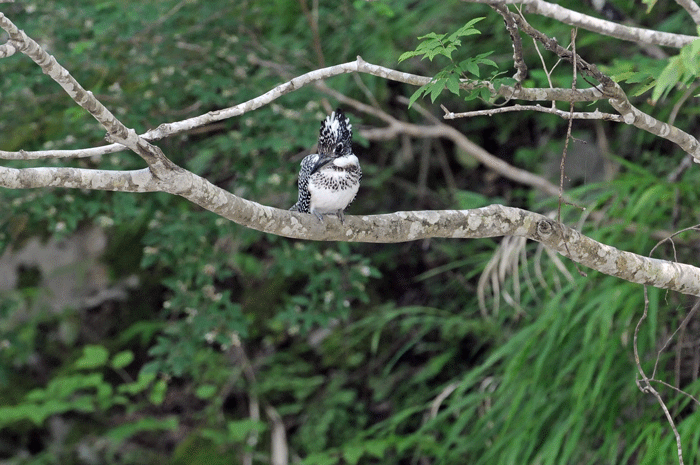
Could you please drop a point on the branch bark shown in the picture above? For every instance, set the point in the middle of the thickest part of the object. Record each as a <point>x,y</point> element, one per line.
<point>692,8</point>
<point>491,221</point>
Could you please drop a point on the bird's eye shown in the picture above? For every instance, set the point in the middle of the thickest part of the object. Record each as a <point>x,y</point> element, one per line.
<point>339,148</point>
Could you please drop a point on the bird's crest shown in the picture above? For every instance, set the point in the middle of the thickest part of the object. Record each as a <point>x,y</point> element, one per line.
<point>334,138</point>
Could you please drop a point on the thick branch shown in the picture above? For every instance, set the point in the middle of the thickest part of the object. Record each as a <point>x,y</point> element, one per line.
<point>491,221</point>
<point>512,29</point>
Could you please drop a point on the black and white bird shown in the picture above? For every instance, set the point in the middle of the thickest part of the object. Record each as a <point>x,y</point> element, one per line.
<point>329,179</point>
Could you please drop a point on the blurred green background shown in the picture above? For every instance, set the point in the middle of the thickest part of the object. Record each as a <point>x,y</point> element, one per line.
<point>141,329</point>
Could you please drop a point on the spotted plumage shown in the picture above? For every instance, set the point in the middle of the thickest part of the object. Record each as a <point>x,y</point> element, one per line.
<point>329,179</point>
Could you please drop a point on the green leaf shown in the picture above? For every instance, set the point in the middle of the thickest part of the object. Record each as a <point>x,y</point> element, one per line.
<point>453,84</point>
<point>353,453</point>
<point>434,44</point>
<point>122,359</point>
<point>486,61</point>
<point>123,432</point>
<point>319,458</point>
<point>681,69</point>
<point>433,36</point>
<point>668,79</point>
<point>94,356</point>
<point>142,382</point>
<point>472,68</point>
<point>158,391</point>
<point>238,430</point>
<point>411,54</point>
<point>437,88</point>
<point>467,200</point>
<point>376,447</point>
<point>206,391</point>
<point>416,95</point>
<point>635,77</point>
<point>644,88</point>
<point>466,30</point>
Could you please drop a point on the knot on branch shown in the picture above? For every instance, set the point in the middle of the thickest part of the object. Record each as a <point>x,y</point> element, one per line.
<point>545,228</point>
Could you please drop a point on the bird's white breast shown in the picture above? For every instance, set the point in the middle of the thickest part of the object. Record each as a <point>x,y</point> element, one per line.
<point>330,189</point>
<point>324,200</point>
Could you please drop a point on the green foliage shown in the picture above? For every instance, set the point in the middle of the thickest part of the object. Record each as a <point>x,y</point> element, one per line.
<point>370,353</point>
<point>682,69</point>
<point>641,73</point>
<point>84,389</point>
<point>452,76</point>
<point>123,432</point>
<point>441,44</point>
<point>330,283</point>
<point>660,77</point>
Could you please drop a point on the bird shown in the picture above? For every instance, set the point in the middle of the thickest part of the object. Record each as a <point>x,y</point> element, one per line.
<point>329,180</point>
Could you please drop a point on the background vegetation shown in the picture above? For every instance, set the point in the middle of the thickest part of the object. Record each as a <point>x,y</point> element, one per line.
<point>199,341</point>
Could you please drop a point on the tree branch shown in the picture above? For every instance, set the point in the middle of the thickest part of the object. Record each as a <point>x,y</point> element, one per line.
<point>491,221</point>
<point>600,26</point>
<point>116,131</point>
<point>692,8</point>
<point>79,178</point>
<point>8,49</point>
<point>539,108</point>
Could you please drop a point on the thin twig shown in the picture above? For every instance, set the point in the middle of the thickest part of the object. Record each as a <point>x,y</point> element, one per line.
<point>590,115</point>
<point>683,324</point>
<point>644,384</point>
<point>562,165</point>
<point>679,391</point>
